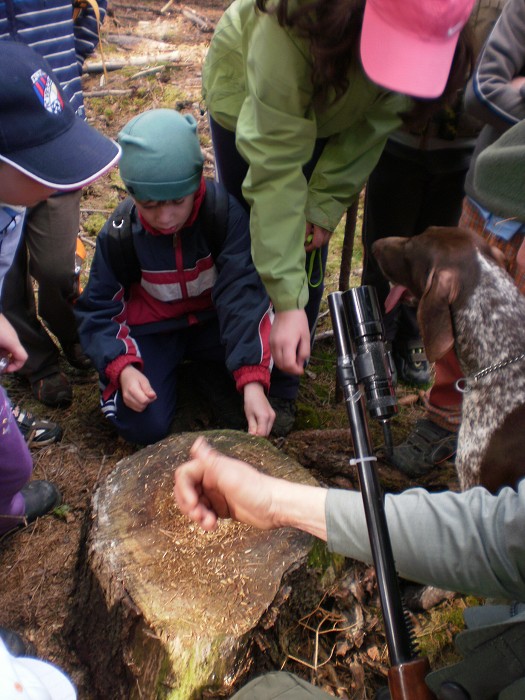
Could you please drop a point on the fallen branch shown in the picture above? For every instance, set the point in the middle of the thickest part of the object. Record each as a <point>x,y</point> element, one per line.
<point>87,241</point>
<point>201,22</point>
<point>104,93</point>
<point>142,8</point>
<point>171,57</point>
<point>324,335</point>
<point>148,71</point>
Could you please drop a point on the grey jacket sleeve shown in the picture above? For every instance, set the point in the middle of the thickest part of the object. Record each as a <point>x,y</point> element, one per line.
<point>489,95</point>
<point>469,542</point>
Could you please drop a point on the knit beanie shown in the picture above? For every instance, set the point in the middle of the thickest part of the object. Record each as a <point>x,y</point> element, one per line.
<point>499,174</point>
<point>161,155</point>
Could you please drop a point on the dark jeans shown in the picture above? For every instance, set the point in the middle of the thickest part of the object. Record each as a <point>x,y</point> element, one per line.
<point>408,191</point>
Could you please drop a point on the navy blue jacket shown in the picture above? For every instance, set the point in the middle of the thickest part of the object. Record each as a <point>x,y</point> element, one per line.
<point>181,284</point>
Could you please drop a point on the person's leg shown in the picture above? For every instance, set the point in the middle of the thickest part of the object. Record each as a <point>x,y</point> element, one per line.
<point>393,195</point>
<point>212,379</point>
<point>440,205</point>
<point>16,466</point>
<point>49,257</point>
<point>52,247</point>
<point>18,302</point>
<point>230,167</point>
<point>162,353</point>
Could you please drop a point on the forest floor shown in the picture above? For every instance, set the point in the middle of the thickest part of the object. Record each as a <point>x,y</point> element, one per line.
<point>38,564</point>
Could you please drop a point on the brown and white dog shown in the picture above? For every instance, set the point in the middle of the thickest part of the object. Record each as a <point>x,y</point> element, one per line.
<point>468,301</point>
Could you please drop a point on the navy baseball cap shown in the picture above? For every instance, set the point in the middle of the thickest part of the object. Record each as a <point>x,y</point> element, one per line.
<point>40,134</point>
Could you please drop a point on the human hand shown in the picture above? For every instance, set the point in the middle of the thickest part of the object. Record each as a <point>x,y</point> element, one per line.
<point>10,346</point>
<point>137,392</point>
<point>213,486</point>
<point>257,409</point>
<point>315,237</point>
<point>290,340</point>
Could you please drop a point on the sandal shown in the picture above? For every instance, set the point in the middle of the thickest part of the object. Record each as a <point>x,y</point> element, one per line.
<point>425,447</point>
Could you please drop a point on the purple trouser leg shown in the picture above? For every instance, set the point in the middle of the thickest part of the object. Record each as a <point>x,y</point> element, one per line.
<point>16,466</point>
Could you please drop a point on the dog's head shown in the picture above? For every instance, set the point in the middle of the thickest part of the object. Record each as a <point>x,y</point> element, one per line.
<point>440,268</point>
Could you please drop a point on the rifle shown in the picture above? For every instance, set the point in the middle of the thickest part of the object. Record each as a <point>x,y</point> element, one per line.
<point>362,361</point>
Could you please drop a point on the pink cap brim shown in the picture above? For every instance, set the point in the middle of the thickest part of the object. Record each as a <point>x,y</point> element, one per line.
<point>402,61</point>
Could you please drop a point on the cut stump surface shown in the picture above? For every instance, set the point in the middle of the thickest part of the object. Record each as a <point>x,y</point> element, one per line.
<point>164,609</point>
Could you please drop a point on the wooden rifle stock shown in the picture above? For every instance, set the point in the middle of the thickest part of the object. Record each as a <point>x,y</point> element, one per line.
<point>406,677</point>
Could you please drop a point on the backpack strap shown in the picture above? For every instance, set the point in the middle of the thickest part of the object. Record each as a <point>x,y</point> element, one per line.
<point>122,253</point>
<point>215,210</point>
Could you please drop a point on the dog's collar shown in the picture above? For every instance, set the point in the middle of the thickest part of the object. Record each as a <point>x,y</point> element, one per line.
<point>465,383</point>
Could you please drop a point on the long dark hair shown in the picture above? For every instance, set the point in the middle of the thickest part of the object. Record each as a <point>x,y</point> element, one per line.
<point>333,28</point>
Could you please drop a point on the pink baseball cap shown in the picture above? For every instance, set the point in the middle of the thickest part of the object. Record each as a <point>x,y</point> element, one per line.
<point>408,45</point>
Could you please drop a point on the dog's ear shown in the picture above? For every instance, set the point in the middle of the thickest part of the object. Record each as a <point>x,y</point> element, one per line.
<point>434,315</point>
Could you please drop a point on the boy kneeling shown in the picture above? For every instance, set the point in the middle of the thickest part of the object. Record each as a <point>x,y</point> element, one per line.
<point>196,294</point>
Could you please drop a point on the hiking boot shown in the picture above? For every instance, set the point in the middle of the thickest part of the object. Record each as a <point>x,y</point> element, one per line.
<point>285,413</point>
<point>36,431</point>
<point>40,497</point>
<point>427,446</point>
<point>76,356</point>
<point>53,390</point>
<point>411,362</point>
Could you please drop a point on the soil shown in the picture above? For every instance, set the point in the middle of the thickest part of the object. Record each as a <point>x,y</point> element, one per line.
<point>38,564</point>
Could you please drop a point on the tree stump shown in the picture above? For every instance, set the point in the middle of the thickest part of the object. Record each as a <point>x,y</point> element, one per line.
<point>163,609</point>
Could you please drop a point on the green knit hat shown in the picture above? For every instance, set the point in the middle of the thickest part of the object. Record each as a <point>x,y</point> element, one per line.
<point>499,174</point>
<point>161,156</point>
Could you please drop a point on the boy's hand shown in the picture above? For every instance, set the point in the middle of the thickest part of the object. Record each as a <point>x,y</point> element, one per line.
<point>257,409</point>
<point>137,392</point>
<point>11,346</point>
<point>290,340</point>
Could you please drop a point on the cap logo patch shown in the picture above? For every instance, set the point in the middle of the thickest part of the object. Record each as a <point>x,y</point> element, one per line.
<point>47,92</point>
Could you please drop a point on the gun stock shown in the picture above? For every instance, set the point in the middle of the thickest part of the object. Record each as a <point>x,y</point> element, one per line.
<point>358,310</point>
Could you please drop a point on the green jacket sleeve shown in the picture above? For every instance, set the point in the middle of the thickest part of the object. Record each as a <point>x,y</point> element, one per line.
<point>348,159</point>
<point>276,133</point>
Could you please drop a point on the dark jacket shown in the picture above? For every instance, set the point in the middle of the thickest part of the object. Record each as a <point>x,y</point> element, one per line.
<point>181,285</point>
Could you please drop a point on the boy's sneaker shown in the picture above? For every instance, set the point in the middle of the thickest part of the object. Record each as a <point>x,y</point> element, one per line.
<point>36,431</point>
<point>285,413</point>
<point>53,390</point>
<point>411,362</point>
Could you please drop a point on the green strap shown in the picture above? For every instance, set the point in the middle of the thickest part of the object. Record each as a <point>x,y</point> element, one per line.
<point>315,254</point>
